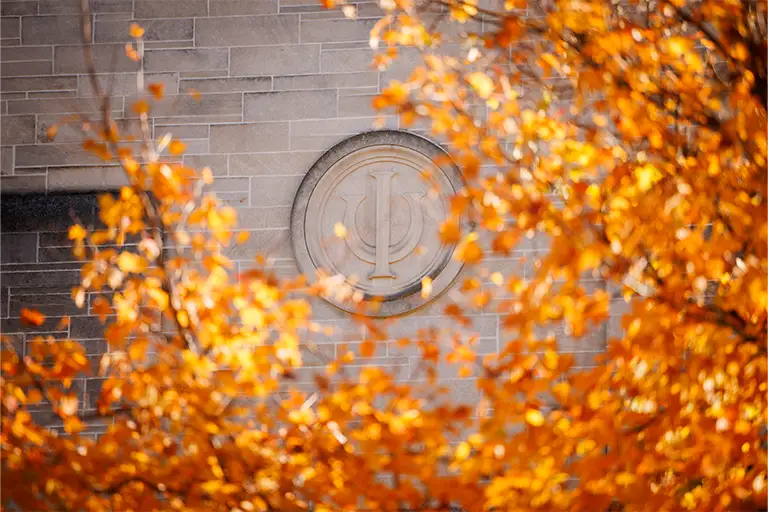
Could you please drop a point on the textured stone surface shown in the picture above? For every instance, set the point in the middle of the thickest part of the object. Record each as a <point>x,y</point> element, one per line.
<point>281,83</point>
<point>275,60</point>
<point>247,30</point>
<point>65,29</point>
<point>290,105</point>
<point>248,138</point>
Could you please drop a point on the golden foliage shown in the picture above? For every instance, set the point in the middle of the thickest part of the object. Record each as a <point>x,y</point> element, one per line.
<point>630,136</point>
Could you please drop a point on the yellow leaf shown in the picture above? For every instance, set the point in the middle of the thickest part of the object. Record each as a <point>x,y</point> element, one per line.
<point>646,176</point>
<point>130,262</point>
<point>77,232</point>
<point>51,132</point>
<point>481,83</point>
<point>211,486</point>
<point>426,287</point>
<point>463,451</point>
<point>253,317</point>
<point>340,230</point>
<point>534,417</point>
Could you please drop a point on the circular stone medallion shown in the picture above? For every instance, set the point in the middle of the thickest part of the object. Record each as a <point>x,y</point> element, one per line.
<point>390,195</point>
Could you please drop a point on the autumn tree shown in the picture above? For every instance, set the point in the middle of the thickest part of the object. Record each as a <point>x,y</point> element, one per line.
<point>631,136</point>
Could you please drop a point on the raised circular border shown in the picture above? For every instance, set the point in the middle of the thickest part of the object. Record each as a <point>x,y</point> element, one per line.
<point>406,300</point>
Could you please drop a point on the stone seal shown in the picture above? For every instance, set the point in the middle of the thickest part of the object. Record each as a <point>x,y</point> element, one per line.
<point>389,190</point>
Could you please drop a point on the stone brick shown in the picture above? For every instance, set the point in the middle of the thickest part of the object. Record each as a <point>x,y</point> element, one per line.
<point>266,164</point>
<point>17,130</point>
<point>51,324</point>
<point>54,154</point>
<point>86,179</point>
<point>250,84</point>
<point>53,106</point>
<point>247,30</point>
<point>182,131</point>
<point>47,83</point>
<point>323,31</point>
<point>71,132</point>
<point>242,7</point>
<point>170,8</point>
<point>22,184</point>
<point>70,60</point>
<point>357,105</point>
<point>217,163</point>
<point>26,53</point>
<point>125,84</point>
<point>43,278</point>
<point>18,247</point>
<point>326,81</point>
<point>154,30</point>
<point>96,6</point>
<point>58,254</point>
<point>260,217</point>
<point>274,243</point>
<point>10,28</point>
<point>6,161</point>
<point>347,126</point>
<point>208,119</point>
<point>242,138</point>
<point>50,304</point>
<point>197,59</point>
<point>186,105</point>
<point>32,68</point>
<point>290,105</point>
<point>19,7</point>
<point>274,190</point>
<point>51,30</point>
<point>85,327</point>
<point>275,60</point>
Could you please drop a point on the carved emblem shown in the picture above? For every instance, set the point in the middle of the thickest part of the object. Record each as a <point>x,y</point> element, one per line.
<point>391,196</point>
<point>384,253</point>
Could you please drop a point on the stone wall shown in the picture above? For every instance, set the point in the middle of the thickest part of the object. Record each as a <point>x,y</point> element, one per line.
<point>281,81</point>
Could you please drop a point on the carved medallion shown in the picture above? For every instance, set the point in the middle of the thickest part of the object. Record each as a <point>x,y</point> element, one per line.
<point>391,196</point>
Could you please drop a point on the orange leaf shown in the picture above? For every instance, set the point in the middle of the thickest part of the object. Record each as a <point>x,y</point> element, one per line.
<point>77,232</point>
<point>32,317</point>
<point>176,147</point>
<point>141,107</point>
<point>367,348</point>
<point>156,89</point>
<point>131,52</point>
<point>136,31</point>
<point>534,417</point>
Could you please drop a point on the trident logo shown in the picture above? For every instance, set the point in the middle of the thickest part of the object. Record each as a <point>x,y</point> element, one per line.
<point>384,252</point>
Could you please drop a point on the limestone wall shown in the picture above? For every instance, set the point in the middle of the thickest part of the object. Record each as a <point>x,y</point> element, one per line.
<point>281,82</point>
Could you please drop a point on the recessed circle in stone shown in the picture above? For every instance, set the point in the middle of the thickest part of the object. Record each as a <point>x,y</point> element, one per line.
<point>387,190</point>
